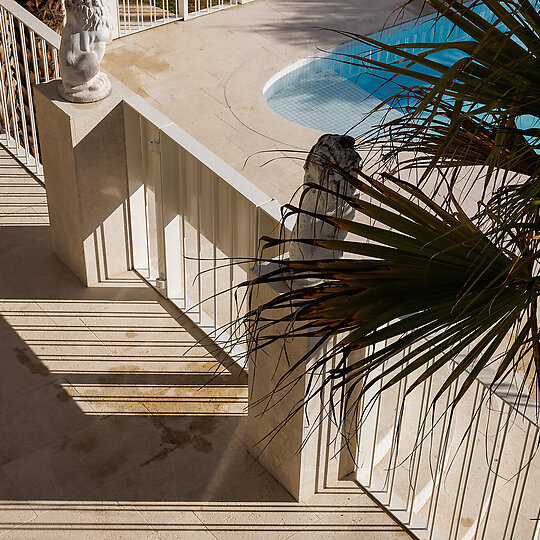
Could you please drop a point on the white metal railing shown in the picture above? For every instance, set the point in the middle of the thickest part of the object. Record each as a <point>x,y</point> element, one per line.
<point>480,482</point>
<point>195,229</point>
<point>28,56</point>
<point>202,7</point>
<point>137,15</point>
<point>195,221</point>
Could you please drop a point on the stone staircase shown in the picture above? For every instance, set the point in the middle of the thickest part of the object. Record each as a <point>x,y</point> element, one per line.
<point>116,422</point>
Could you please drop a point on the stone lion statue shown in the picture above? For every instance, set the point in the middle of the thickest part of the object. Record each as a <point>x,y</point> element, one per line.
<point>87,31</point>
<point>330,151</point>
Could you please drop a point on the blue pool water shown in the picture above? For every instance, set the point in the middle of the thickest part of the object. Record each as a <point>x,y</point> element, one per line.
<point>335,97</point>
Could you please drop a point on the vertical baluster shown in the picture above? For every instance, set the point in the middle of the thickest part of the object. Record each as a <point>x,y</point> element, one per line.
<point>467,460</point>
<point>3,87</point>
<point>199,240</point>
<point>324,425</point>
<point>441,460</point>
<point>421,428</point>
<point>127,16</point>
<point>215,221</point>
<point>134,15</point>
<point>33,39</point>
<point>55,63</point>
<point>523,471</point>
<point>173,158</point>
<point>497,467</point>
<point>153,201</point>
<point>45,59</point>
<point>482,513</point>
<point>368,430</point>
<point>232,214</point>
<point>29,90</point>
<point>536,534</point>
<point>11,107</point>
<point>18,79</point>
<point>183,209</point>
<point>397,435</point>
<point>135,144</point>
<point>160,223</point>
<point>149,202</point>
<point>148,233</point>
<point>376,422</point>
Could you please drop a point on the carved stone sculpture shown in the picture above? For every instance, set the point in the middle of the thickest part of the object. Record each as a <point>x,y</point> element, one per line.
<point>87,30</point>
<point>330,150</point>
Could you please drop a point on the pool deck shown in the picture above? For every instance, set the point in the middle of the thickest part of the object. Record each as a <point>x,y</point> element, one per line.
<point>208,75</point>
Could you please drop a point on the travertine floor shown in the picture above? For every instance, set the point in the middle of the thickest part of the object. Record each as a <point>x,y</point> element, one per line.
<point>208,75</point>
<point>105,429</point>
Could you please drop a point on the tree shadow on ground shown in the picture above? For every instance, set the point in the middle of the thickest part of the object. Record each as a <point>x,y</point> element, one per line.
<point>302,23</point>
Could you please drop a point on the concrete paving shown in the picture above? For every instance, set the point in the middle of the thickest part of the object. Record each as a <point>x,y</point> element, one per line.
<point>115,423</point>
<point>208,74</point>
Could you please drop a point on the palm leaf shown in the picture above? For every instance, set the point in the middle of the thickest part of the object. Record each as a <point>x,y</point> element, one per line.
<point>467,113</point>
<point>424,286</point>
<point>433,289</point>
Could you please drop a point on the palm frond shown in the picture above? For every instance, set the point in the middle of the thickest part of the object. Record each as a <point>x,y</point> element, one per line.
<point>464,100</point>
<point>428,286</point>
<point>423,284</point>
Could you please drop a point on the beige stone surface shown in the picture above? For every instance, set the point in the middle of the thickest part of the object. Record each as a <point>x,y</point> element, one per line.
<point>111,427</point>
<point>208,75</point>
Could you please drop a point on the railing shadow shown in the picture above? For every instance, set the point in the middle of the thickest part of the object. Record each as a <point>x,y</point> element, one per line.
<point>105,395</point>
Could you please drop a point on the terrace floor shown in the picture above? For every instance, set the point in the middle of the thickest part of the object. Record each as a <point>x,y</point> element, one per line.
<point>116,424</point>
<point>208,74</point>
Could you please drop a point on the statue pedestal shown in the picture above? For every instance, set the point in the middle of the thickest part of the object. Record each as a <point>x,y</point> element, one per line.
<point>303,451</point>
<point>84,161</point>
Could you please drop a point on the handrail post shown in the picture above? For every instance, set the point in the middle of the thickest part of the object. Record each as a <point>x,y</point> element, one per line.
<point>273,437</point>
<point>183,11</point>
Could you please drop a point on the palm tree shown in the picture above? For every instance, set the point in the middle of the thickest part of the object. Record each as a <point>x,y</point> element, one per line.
<point>428,285</point>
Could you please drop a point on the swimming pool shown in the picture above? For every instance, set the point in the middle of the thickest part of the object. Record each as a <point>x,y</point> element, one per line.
<point>329,95</point>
